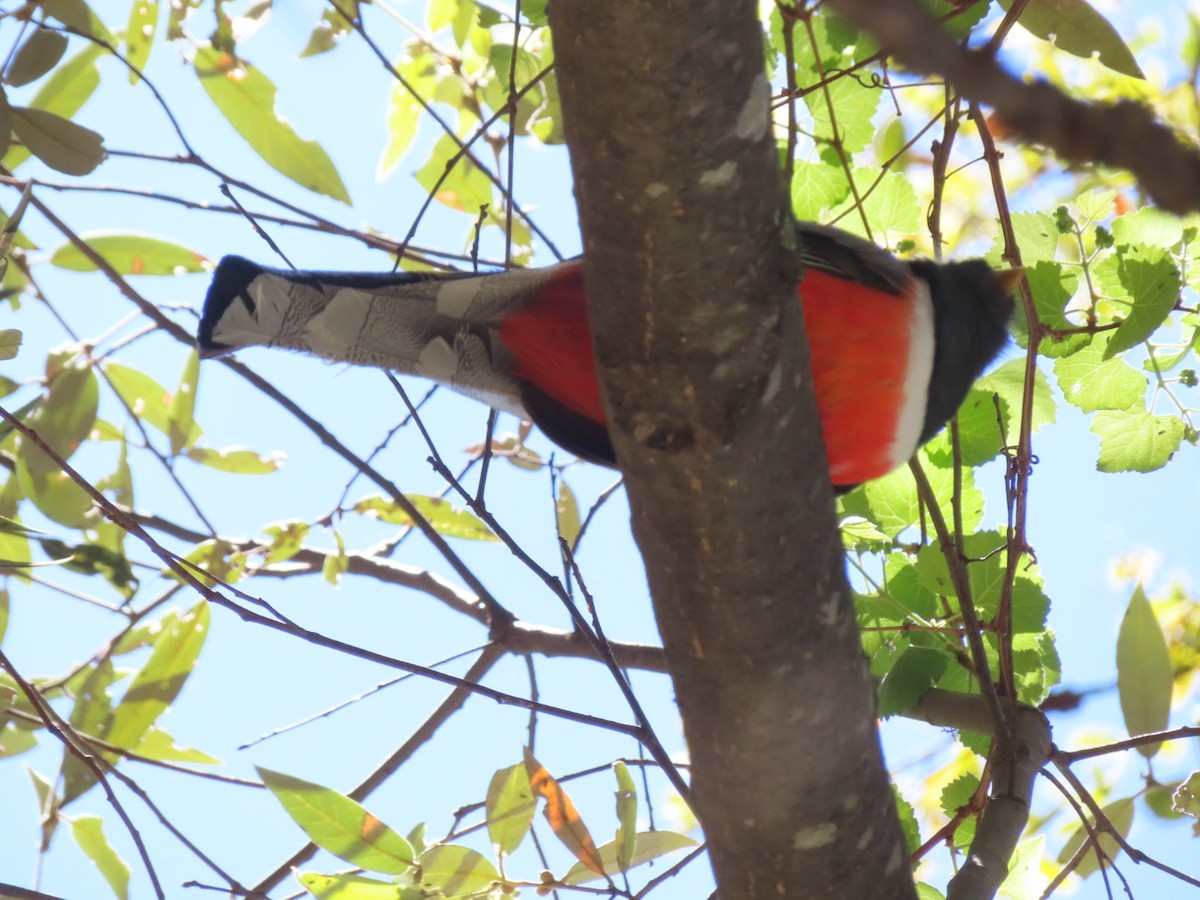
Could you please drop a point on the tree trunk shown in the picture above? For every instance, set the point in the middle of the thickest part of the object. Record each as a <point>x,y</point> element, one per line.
<point>690,268</point>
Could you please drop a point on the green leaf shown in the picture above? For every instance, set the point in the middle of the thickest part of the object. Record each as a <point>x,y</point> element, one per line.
<point>246,97</point>
<point>131,253</point>
<point>139,35</point>
<point>148,399</point>
<point>337,563</point>
<point>340,825</point>
<point>1092,381</point>
<point>909,679</point>
<point>37,56</point>
<point>459,14</point>
<point>853,108</point>
<point>466,188</point>
<point>181,424</point>
<point>889,203</point>
<point>817,188</point>
<point>404,109</point>
<point>626,838</point>
<point>88,832</point>
<point>444,516</point>
<point>286,540</point>
<point>908,821</point>
<point>1144,678</point>
<point>336,22</point>
<point>1120,814</point>
<point>1150,226</point>
<point>352,887</point>
<point>10,342</point>
<point>63,420</point>
<point>1008,380</point>
<point>510,808</point>
<point>566,510</point>
<point>235,460</point>
<point>91,715</point>
<point>58,142</point>
<point>160,680</point>
<point>1186,798</point>
<point>1151,280</point>
<point>456,871</point>
<point>891,502</point>
<point>1133,440</point>
<point>1077,28</point>
<point>156,744</point>
<point>649,845</point>
<point>77,15</point>
<point>1037,236</point>
<point>63,93</point>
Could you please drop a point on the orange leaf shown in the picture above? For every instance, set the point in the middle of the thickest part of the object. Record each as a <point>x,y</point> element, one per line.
<point>560,812</point>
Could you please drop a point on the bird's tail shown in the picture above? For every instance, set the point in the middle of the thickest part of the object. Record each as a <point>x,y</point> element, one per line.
<point>439,326</point>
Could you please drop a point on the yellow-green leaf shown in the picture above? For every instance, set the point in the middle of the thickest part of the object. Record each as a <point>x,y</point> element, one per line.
<point>246,97</point>
<point>131,253</point>
<point>139,35</point>
<point>566,510</point>
<point>626,839</point>
<point>78,16</point>
<point>650,845</point>
<point>340,825</point>
<point>88,832</point>
<point>1144,678</point>
<point>235,460</point>
<point>510,808</point>
<point>444,516</point>
<point>160,680</point>
<point>350,887</point>
<point>58,142</point>
<point>1076,27</point>
<point>455,871</point>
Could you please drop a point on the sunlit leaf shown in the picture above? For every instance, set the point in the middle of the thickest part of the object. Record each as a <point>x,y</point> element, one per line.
<point>510,808</point>
<point>10,342</point>
<point>139,35</point>
<point>340,825</point>
<point>246,97</point>
<point>454,871</point>
<point>626,838</point>
<point>650,845</point>
<point>132,254</point>
<point>564,819</point>
<point>444,516</point>
<point>566,510</point>
<point>235,460</point>
<point>160,680</point>
<point>89,835</point>
<point>1135,441</point>
<point>352,887</point>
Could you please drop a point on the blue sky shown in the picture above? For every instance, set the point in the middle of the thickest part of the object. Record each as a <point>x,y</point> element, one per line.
<point>250,680</point>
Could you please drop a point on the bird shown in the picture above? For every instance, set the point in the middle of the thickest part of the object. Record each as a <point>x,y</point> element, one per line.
<point>895,344</point>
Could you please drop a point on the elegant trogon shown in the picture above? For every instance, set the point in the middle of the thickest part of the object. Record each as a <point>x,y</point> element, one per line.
<point>895,344</point>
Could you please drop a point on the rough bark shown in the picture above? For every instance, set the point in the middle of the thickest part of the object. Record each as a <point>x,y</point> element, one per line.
<point>690,277</point>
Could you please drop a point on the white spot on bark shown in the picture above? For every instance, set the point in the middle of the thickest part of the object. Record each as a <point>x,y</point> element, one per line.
<point>755,115</point>
<point>815,836</point>
<point>720,176</point>
<point>865,841</point>
<point>656,190</point>
<point>898,859</point>
<point>828,614</point>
